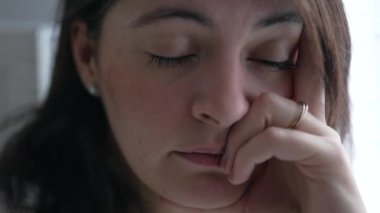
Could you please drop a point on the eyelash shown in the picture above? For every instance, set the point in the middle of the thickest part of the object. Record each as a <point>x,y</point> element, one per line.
<point>283,66</point>
<point>162,61</point>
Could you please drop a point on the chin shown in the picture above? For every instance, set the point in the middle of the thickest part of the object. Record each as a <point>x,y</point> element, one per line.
<point>219,194</point>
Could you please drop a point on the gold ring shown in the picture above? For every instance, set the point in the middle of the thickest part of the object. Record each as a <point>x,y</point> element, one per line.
<point>303,111</point>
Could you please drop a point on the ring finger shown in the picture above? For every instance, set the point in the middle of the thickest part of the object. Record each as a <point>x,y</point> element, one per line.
<point>269,110</point>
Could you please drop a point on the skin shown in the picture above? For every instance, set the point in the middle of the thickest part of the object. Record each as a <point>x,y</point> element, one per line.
<point>224,96</point>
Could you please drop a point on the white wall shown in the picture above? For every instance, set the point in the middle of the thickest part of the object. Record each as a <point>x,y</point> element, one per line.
<point>365,94</point>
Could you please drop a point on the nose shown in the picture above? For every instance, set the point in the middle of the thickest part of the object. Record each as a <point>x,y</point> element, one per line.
<point>220,99</point>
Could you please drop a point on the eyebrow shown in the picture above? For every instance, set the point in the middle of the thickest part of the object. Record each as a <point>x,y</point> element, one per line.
<point>161,14</point>
<point>282,18</point>
<point>170,13</point>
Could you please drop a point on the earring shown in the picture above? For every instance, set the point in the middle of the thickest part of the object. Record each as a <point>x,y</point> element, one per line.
<point>93,91</point>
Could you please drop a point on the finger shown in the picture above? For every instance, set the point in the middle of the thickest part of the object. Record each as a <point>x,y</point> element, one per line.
<point>308,77</point>
<point>305,149</point>
<point>268,110</point>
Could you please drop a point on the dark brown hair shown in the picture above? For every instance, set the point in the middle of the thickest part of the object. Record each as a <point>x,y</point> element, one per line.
<point>63,160</point>
<point>326,23</point>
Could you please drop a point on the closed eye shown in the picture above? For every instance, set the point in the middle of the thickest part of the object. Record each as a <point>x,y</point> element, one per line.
<point>170,62</point>
<point>277,66</point>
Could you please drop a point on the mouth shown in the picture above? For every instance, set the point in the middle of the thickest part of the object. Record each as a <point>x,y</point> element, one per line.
<point>202,159</point>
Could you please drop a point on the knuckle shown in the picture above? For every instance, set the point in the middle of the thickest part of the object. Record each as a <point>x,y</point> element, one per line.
<point>333,137</point>
<point>336,148</point>
<point>267,99</point>
<point>336,137</point>
<point>266,104</point>
<point>274,133</point>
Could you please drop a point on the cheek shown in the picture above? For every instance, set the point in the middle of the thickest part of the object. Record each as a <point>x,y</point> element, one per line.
<point>278,83</point>
<point>142,109</point>
<point>143,101</point>
<point>284,86</point>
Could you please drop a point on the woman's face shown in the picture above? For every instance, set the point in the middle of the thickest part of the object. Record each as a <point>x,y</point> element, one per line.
<point>175,76</point>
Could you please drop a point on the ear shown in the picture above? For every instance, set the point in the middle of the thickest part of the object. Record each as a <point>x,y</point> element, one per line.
<point>84,53</point>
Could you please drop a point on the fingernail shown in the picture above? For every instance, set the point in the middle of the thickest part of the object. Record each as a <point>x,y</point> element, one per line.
<point>231,178</point>
<point>223,162</point>
<point>233,181</point>
<point>227,167</point>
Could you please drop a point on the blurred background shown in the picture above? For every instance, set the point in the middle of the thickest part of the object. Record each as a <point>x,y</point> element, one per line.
<point>27,38</point>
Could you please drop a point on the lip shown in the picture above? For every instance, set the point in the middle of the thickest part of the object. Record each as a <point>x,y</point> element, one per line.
<point>210,151</point>
<point>203,159</point>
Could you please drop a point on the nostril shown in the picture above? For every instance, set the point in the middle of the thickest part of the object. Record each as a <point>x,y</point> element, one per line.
<point>205,116</point>
<point>209,119</point>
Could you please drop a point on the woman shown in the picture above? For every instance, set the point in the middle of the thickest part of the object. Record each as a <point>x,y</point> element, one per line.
<point>190,106</point>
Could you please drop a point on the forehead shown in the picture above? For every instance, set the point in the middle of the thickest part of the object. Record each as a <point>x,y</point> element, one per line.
<point>213,4</point>
<point>222,10</point>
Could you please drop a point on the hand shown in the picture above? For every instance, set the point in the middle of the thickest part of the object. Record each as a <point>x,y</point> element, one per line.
<point>310,161</point>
